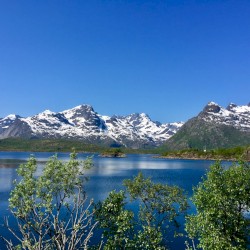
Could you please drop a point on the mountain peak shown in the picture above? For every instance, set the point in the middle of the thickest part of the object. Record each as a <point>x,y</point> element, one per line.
<point>78,110</point>
<point>138,115</point>
<point>231,106</point>
<point>214,127</point>
<point>144,115</point>
<point>137,118</point>
<point>47,112</point>
<point>83,123</point>
<point>234,115</point>
<point>84,106</point>
<point>212,104</point>
<point>212,107</point>
<point>12,117</point>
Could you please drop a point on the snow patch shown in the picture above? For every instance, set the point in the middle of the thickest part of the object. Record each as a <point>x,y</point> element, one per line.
<point>236,116</point>
<point>83,122</point>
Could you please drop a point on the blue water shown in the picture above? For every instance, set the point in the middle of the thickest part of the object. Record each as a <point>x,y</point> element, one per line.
<point>108,174</point>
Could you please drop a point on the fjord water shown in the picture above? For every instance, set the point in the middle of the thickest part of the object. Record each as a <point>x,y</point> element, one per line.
<point>108,174</point>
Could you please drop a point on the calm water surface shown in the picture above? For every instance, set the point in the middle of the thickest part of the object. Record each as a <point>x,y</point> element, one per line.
<point>108,174</point>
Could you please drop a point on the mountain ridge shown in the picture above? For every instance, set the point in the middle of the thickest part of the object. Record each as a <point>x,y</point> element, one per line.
<point>83,123</point>
<point>214,126</point>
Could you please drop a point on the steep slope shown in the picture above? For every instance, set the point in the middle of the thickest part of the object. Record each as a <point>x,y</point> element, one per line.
<point>235,116</point>
<point>13,126</point>
<point>83,123</point>
<point>6,122</point>
<point>139,128</point>
<point>214,127</point>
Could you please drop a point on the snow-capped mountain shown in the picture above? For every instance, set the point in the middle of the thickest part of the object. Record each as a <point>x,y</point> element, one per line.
<point>7,121</point>
<point>214,127</point>
<point>233,115</point>
<point>83,123</point>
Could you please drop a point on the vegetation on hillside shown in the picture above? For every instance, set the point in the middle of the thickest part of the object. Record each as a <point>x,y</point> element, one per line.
<point>60,145</point>
<point>46,145</point>
<point>219,154</point>
<point>196,133</point>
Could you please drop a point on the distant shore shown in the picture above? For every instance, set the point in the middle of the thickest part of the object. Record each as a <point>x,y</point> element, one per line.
<point>194,158</point>
<point>209,158</point>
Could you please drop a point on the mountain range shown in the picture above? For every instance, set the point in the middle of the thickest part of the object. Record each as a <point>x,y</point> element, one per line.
<point>214,126</point>
<point>83,123</point>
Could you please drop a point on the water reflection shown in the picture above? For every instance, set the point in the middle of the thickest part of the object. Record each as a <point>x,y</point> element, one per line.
<point>7,176</point>
<point>108,173</point>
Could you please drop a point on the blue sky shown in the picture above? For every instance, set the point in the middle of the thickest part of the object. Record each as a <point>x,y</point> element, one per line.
<point>165,58</point>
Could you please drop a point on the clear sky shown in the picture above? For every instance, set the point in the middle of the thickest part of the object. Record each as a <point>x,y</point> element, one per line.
<point>165,58</point>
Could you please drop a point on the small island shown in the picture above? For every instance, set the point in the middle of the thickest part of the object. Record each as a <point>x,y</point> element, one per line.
<point>113,153</point>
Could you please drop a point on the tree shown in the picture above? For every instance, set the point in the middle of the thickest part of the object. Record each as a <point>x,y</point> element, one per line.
<point>159,205</point>
<point>117,222</point>
<point>113,152</point>
<point>51,210</point>
<point>222,200</point>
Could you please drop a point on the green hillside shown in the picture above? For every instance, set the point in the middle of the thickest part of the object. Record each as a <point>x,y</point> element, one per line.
<point>60,145</point>
<point>197,134</point>
<point>46,145</point>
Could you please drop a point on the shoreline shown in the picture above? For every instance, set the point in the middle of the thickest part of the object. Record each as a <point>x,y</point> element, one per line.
<point>197,158</point>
